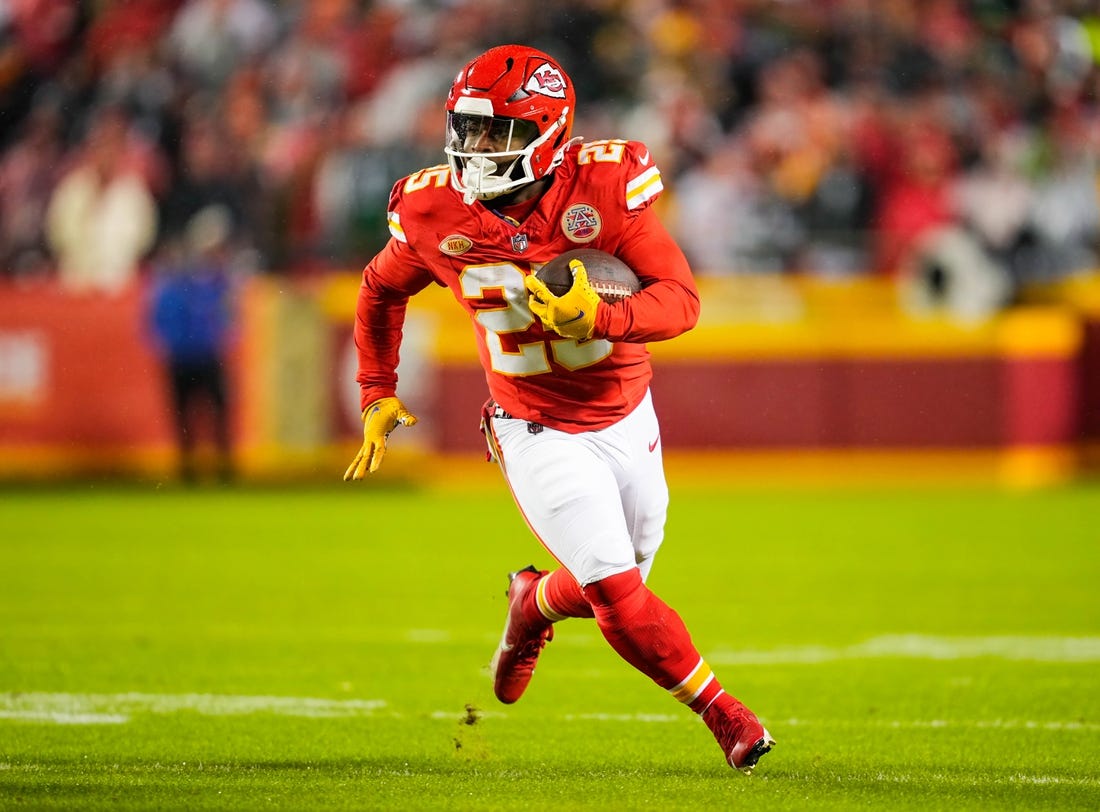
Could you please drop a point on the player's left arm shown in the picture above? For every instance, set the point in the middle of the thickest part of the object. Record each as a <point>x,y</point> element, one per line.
<point>668,303</point>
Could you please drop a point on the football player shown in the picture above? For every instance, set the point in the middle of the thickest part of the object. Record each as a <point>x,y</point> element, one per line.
<point>570,420</point>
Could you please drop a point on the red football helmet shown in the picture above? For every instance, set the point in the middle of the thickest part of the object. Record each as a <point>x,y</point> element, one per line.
<point>509,116</point>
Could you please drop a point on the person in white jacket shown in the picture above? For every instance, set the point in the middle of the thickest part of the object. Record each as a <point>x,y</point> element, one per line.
<point>102,217</point>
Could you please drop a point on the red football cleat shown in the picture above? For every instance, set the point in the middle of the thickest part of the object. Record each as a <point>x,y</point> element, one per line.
<point>520,645</point>
<point>738,732</point>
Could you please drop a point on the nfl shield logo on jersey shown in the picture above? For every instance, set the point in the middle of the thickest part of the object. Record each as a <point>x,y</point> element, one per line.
<point>519,243</point>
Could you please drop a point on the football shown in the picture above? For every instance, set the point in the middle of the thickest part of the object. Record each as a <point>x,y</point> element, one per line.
<point>608,275</point>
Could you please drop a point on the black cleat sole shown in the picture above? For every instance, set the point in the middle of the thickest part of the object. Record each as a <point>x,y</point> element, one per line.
<point>760,749</point>
<point>512,577</point>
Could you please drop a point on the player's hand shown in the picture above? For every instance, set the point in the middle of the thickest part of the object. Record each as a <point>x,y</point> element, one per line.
<point>573,314</point>
<point>379,419</point>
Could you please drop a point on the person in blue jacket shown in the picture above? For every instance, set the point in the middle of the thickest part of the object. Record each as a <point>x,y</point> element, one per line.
<point>192,315</point>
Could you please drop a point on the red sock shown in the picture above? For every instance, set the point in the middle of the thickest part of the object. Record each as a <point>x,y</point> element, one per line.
<point>650,636</point>
<point>559,596</point>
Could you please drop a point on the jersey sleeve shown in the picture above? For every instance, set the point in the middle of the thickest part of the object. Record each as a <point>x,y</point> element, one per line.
<point>668,304</point>
<point>394,275</point>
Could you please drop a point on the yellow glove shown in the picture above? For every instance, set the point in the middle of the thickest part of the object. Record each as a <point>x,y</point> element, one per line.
<point>573,314</point>
<point>379,419</point>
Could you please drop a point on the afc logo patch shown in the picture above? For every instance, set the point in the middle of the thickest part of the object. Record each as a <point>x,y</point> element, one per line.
<point>581,223</point>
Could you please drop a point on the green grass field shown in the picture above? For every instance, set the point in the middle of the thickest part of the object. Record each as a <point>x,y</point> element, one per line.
<point>327,648</point>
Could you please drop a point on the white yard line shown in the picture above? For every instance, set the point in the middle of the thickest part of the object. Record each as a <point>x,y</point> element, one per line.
<point>846,724</point>
<point>947,724</point>
<point>114,709</point>
<point>89,709</point>
<point>58,718</point>
<point>923,647</point>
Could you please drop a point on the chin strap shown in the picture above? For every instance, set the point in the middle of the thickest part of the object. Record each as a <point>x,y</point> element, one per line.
<point>559,156</point>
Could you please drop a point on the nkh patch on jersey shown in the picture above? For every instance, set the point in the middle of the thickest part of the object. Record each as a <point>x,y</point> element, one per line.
<point>455,245</point>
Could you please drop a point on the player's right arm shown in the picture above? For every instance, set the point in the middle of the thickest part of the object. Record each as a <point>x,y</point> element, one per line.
<point>395,274</point>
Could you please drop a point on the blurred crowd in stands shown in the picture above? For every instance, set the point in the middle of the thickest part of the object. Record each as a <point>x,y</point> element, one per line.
<point>833,137</point>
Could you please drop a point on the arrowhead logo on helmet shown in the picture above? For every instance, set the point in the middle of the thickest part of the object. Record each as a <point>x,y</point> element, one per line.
<point>547,80</point>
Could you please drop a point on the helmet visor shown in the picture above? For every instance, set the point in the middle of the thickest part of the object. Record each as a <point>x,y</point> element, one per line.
<point>488,135</point>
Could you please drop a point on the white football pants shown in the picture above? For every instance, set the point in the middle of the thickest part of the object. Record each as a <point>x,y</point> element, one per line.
<point>597,501</point>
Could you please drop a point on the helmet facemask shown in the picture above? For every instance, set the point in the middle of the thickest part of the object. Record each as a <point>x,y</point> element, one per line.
<point>492,155</point>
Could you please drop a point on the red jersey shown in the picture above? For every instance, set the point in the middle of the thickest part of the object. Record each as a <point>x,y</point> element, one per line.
<point>599,197</point>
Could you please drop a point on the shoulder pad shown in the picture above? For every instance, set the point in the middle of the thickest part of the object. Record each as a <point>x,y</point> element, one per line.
<point>631,161</point>
<point>404,195</point>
